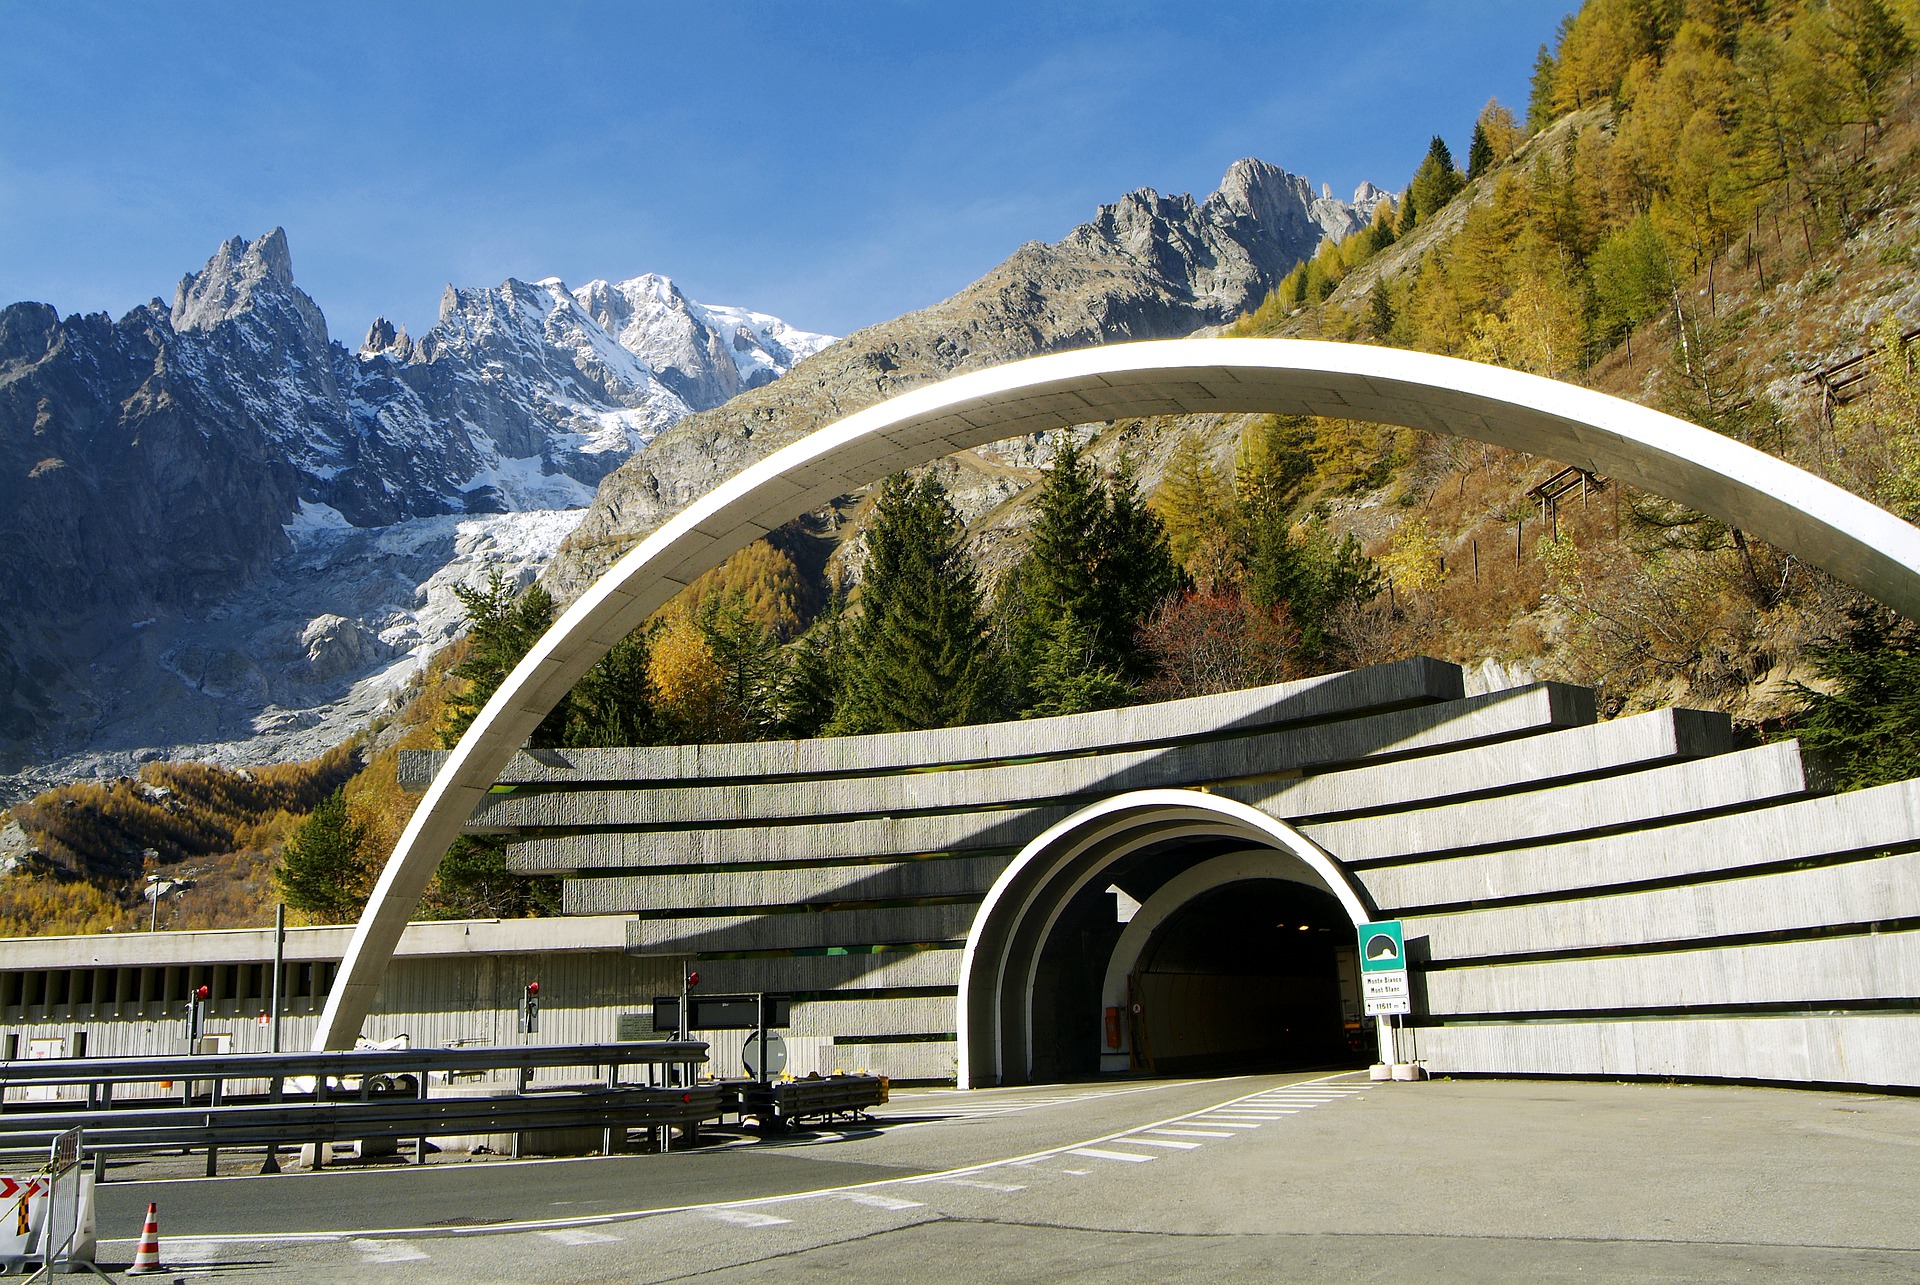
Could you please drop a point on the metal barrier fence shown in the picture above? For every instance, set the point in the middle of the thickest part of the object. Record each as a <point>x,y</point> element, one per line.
<point>242,1099</point>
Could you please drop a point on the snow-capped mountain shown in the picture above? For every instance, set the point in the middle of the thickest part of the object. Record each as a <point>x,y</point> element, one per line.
<point>158,470</point>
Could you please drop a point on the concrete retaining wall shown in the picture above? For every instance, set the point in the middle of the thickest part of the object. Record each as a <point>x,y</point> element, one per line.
<point>1635,897</point>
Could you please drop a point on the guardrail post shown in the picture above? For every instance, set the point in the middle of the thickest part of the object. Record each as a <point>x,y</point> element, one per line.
<point>213,1152</point>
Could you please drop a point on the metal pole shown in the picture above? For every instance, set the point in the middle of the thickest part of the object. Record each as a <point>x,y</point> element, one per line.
<point>279,966</point>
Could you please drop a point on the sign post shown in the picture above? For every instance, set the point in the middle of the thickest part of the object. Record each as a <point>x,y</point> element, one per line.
<point>1383,980</point>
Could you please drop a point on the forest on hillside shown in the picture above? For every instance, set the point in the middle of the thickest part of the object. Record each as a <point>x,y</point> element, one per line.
<point>1701,199</point>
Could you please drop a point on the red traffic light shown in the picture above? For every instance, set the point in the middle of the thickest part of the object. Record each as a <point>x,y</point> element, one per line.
<point>533,988</point>
<point>693,979</point>
<point>203,993</point>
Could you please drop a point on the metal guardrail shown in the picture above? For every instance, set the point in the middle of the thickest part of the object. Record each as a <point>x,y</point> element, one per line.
<point>392,1098</point>
<point>260,1123</point>
<point>203,1067</point>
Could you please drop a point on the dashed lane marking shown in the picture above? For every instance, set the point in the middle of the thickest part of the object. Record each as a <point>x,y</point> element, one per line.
<point>578,1236</point>
<point>1224,1124</point>
<point>744,1217</point>
<point>1190,1133</point>
<point>1095,1153</point>
<point>388,1251</point>
<point>875,1200</point>
<point>1137,1141</point>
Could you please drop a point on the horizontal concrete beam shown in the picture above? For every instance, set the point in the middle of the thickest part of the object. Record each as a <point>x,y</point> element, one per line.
<point>253,945</point>
<point>1642,741</point>
<point>874,1017</point>
<point>1005,829</point>
<point>1416,681</point>
<point>1821,970</point>
<point>722,889</point>
<point>1862,1048</point>
<point>1423,729</point>
<point>725,933</point>
<point>1859,821</point>
<point>887,970</point>
<point>1856,892</point>
<point>1768,773</point>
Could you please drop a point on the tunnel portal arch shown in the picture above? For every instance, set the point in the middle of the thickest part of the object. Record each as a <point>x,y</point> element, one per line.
<point>1002,959</point>
<point>1786,506</point>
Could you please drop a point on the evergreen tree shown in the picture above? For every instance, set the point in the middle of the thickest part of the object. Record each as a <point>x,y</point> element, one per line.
<point>1868,727</point>
<point>749,658</point>
<point>503,626</point>
<point>613,703</point>
<point>809,691</point>
<point>473,881</point>
<point>1479,152</point>
<point>919,648</point>
<point>1098,562</point>
<point>1433,185</point>
<point>1540,99</point>
<point>324,871</point>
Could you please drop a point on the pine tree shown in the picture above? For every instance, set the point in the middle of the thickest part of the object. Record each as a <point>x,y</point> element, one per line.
<point>613,703</point>
<point>1479,152</point>
<point>1098,562</point>
<point>1434,184</point>
<point>919,648</point>
<point>1540,98</point>
<point>809,690</point>
<point>324,871</point>
<point>503,626</point>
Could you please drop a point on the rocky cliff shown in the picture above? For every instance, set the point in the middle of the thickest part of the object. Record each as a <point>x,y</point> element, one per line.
<point>1145,267</point>
<point>179,489</point>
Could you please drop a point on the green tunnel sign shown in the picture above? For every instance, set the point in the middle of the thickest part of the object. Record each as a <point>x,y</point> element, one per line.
<point>1383,970</point>
<point>1382,949</point>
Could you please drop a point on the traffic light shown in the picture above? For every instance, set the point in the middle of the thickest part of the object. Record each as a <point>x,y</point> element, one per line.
<point>530,1010</point>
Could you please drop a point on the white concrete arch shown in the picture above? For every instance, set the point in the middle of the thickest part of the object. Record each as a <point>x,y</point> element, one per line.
<point>1002,957</point>
<point>1813,519</point>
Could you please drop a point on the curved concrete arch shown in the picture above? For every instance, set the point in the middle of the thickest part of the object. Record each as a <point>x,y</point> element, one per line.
<point>1818,522</point>
<point>999,966</point>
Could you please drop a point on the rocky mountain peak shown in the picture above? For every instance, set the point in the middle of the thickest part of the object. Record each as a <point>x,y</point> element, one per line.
<point>383,337</point>
<point>245,276</point>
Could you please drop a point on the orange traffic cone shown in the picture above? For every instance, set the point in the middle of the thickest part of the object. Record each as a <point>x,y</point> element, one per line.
<point>146,1258</point>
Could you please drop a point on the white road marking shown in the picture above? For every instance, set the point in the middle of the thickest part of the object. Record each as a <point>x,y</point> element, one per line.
<point>1191,1133</point>
<point>1097,1154</point>
<point>388,1251</point>
<point>1162,1142</point>
<point>877,1201</point>
<point>1224,1124</point>
<point>744,1217</point>
<point>578,1236</point>
<point>975,1182</point>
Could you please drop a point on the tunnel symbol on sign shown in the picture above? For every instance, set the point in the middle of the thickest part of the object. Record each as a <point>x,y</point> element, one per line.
<point>1382,946</point>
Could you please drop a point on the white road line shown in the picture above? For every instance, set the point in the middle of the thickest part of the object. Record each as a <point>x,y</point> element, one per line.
<point>1225,1124</point>
<point>1244,1113</point>
<point>744,1217</point>
<point>975,1182</point>
<point>388,1251</point>
<point>1191,1133</point>
<point>578,1236</point>
<point>878,1201</point>
<point>1162,1142</point>
<point>1097,1154</point>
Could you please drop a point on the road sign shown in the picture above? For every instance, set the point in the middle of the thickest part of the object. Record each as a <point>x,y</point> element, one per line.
<point>776,1055</point>
<point>1383,969</point>
<point>1382,949</point>
<point>1387,994</point>
<point>721,1012</point>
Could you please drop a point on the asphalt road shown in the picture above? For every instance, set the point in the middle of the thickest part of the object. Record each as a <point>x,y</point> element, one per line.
<point>1268,1179</point>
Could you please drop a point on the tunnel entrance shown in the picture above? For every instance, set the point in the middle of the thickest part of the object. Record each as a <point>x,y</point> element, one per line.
<point>1175,963</point>
<point>1260,975</point>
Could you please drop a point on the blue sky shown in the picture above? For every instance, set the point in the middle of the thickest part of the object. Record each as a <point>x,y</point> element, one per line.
<point>834,163</point>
